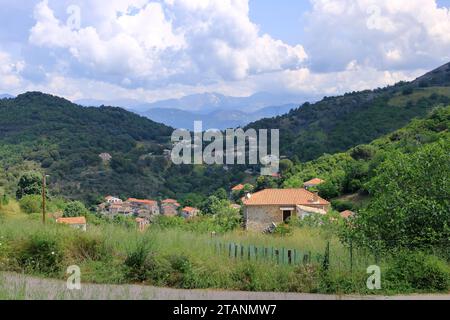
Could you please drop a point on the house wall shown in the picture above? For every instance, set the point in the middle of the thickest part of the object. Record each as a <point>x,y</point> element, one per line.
<point>169,210</point>
<point>259,218</point>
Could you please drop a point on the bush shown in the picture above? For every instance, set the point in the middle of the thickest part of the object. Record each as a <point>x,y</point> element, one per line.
<point>342,205</point>
<point>74,209</point>
<point>40,254</point>
<point>89,247</point>
<point>31,204</point>
<point>417,271</point>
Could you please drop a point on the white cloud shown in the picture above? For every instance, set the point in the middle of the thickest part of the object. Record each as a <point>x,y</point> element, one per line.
<point>383,34</point>
<point>10,72</point>
<point>150,43</point>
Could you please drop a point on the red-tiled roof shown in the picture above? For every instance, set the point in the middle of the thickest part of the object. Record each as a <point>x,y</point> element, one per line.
<point>171,201</point>
<point>190,209</point>
<point>283,197</point>
<point>314,182</point>
<point>347,214</point>
<point>239,187</point>
<point>150,202</point>
<point>75,220</point>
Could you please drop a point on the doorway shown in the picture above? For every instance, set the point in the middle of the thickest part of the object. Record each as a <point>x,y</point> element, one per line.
<point>286,215</point>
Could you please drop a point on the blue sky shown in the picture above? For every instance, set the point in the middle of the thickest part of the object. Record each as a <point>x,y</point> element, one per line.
<point>156,49</point>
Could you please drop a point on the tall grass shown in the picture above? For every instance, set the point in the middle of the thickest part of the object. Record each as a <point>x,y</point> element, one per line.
<point>111,254</point>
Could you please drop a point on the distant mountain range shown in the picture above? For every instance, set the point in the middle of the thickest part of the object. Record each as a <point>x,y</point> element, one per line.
<point>6,96</point>
<point>215,110</point>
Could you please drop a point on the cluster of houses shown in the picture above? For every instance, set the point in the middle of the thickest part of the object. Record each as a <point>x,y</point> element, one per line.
<point>262,210</point>
<point>145,210</point>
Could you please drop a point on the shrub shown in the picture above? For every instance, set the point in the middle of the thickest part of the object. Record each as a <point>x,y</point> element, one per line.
<point>245,277</point>
<point>283,230</point>
<point>89,247</point>
<point>40,254</point>
<point>412,271</point>
<point>182,272</point>
<point>74,209</point>
<point>31,204</point>
<point>342,205</point>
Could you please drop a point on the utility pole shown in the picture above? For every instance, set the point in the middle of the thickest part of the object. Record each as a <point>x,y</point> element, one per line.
<point>44,182</point>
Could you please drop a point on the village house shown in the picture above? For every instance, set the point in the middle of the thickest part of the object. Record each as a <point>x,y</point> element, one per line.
<point>106,157</point>
<point>113,200</point>
<point>237,188</point>
<point>313,183</point>
<point>169,207</point>
<point>142,224</point>
<point>347,214</point>
<point>189,212</point>
<point>275,206</point>
<point>144,208</point>
<point>76,222</point>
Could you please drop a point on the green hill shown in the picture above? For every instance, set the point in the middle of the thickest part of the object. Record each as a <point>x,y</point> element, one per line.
<point>336,124</point>
<point>351,171</point>
<point>44,132</point>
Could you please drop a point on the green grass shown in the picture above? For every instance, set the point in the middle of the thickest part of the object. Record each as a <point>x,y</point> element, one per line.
<point>179,259</point>
<point>402,100</point>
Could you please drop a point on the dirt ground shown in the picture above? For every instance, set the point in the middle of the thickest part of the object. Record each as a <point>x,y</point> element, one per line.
<point>15,286</point>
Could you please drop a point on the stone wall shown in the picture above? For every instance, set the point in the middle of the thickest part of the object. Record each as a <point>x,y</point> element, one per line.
<point>259,218</point>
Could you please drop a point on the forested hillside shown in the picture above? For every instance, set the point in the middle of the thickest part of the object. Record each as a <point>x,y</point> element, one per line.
<point>40,132</point>
<point>336,124</point>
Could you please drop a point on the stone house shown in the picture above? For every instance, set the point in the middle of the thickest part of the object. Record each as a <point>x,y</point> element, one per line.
<point>169,207</point>
<point>189,212</point>
<point>144,208</point>
<point>313,183</point>
<point>76,222</point>
<point>275,206</point>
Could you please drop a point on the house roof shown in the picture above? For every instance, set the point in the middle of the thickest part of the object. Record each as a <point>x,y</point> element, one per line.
<point>75,220</point>
<point>150,202</point>
<point>314,182</point>
<point>239,187</point>
<point>190,209</point>
<point>291,197</point>
<point>311,209</point>
<point>347,214</point>
<point>170,201</point>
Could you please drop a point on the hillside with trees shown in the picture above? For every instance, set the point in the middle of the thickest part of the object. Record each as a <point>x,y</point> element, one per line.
<point>336,124</point>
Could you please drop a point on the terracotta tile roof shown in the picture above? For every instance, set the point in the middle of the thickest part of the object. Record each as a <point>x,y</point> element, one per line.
<point>150,202</point>
<point>347,214</point>
<point>75,220</point>
<point>170,201</point>
<point>190,209</point>
<point>314,182</point>
<point>239,187</point>
<point>291,197</point>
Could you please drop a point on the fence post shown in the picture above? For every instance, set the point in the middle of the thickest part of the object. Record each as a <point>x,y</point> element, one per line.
<point>351,255</point>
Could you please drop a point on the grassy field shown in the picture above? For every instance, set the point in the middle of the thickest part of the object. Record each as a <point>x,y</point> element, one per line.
<point>402,100</point>
<point>112,254</point>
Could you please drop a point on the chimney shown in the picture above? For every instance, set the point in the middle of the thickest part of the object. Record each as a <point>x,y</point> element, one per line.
<point>248,196</point>
<point>315,197</point>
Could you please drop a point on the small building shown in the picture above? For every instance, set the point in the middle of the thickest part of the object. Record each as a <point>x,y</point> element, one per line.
<point>189,212</point>
<point>313,183</point>
<point>169,207</point>
<point>238,188</point>
<point>347,214</point>
<point>142,224</point>
<point>106,157</point>
<point>275,206</point>
<point>76,222</point>
<point>113,200</point>
<point>144,208</point>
